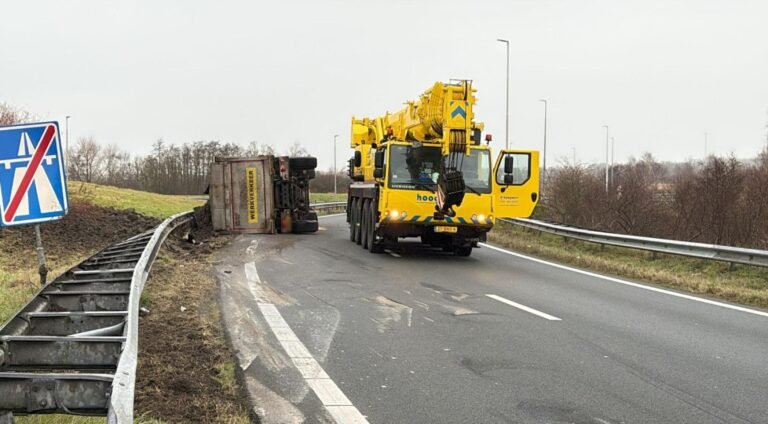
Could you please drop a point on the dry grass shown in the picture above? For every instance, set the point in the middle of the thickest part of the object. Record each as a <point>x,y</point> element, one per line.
<point>742,284</point>
<point>186,372</point>
<point>148,204</point>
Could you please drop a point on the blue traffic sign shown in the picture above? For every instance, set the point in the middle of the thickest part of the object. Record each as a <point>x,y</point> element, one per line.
<point>33,183</point>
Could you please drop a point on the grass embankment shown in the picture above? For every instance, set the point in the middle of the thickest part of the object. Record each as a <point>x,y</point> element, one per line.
<point>99,216</point>
<point>148,204</point>
<point>742,284</point>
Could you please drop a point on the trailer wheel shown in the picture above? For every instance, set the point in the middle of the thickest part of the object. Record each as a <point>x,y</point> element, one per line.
<point>305,226</point>
<point>365,224</point>
<point>303,163</point>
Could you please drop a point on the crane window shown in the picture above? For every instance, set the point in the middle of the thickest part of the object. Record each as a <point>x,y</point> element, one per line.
<point>416,168</point>
<point>521,171</point>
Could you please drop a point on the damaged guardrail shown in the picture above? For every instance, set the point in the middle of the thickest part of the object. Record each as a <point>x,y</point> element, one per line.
<point>73,348</point>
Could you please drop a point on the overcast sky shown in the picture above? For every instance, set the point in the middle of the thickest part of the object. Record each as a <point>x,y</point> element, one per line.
<point>659,73</point>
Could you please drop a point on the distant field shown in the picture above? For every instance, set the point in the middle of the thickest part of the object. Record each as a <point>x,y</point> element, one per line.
<point>149,204</point>
<point>327,197</point>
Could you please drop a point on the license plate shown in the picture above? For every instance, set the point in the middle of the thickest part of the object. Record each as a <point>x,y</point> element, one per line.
<point>446,229</point>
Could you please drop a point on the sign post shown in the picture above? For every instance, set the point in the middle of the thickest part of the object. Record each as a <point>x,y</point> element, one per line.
<point>33,185</point>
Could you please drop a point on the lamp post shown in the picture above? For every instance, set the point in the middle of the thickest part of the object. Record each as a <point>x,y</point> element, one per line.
<point>613,166</point>
<point>335,136</point>
<point>66,139</point>
<point>506,133</point>
<point>606,157</point>
<point>544,174</point>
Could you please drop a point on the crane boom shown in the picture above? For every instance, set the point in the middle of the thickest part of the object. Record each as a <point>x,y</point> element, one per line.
<point>443,116</point>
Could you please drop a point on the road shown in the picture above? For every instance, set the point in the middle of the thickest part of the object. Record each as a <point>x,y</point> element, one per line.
<point>325,331</point>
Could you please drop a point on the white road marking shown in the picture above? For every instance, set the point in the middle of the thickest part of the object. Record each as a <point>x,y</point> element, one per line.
<point>396,255</point>
<point>335,401</point>
<point>523,307</point>
<point>332,215</point>
<point>629,283</point>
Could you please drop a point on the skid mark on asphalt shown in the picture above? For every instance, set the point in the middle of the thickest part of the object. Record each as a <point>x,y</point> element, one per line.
<point>391,313</point>
<point>524,308</point>
<point>333,399</point>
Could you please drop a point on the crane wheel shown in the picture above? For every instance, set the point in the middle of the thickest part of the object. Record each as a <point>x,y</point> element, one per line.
<point>365,224</point>
<point>352,219</point>
<point>373,245</point>
<point>463,251</point>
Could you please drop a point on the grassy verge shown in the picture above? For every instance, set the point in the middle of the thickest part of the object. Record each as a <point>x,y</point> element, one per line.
<point>186,372</point>
<point>742,284</point>
<point>327,197</point>
<point>148,204</point>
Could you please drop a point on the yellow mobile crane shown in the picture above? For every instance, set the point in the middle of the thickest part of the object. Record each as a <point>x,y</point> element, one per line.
<point>423,172</point>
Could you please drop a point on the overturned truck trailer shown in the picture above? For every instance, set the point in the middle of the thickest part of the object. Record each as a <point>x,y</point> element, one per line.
<point>262,194</point>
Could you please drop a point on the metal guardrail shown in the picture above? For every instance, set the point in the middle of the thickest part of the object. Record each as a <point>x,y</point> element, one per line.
<point>73,348</point>
<point>329,206</point>
<point>673,247</point>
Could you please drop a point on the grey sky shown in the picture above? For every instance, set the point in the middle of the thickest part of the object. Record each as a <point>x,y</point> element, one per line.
<point>660,73</point>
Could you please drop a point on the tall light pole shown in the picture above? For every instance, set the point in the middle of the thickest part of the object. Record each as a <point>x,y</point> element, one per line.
<point>506,133</point>
<point>66,139</point>
<point>613,171</point>
<point>335,136</point>
<point>606,157</point>
<point>544,174</point>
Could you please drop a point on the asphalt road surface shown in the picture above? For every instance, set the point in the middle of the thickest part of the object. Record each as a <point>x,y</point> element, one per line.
<point>327,332</point>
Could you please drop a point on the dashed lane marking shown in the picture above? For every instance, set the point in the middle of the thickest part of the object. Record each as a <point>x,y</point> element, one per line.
<point>629,283</point>
<point>524,308</point>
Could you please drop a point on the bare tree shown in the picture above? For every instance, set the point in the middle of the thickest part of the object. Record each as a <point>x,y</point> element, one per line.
<point>85,163</point>
<point>10,115</point>
<point>297,149</point>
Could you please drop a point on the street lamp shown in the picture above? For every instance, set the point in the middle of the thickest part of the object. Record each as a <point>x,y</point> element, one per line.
<point>613,167</point>
<point>506,133</point>
<point>66,138</point>
<point>335,136</point>
<point>544,174</point>
<point>606,157</point>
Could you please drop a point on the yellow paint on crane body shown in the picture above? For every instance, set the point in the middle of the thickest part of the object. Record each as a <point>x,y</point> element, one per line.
<point>414,138</point>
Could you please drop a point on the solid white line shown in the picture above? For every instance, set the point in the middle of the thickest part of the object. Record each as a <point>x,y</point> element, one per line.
<point>523,307</point>
<point>629,283</point>
<point>335,401</point>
